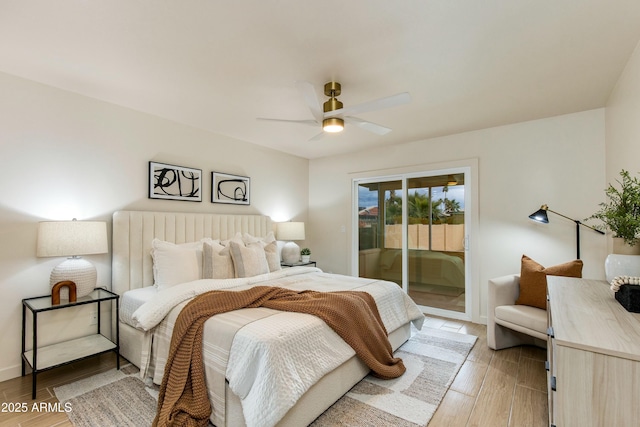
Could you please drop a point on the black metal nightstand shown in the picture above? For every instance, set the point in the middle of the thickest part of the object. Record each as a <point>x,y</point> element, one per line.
<point>51,356</point>
<point>299,264</point>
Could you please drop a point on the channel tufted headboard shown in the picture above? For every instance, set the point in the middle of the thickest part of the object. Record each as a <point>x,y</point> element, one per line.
<point>133,232</point>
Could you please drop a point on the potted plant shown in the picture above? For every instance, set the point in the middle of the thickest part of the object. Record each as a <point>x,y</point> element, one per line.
<point>620,214</point>
<point>306,254</point>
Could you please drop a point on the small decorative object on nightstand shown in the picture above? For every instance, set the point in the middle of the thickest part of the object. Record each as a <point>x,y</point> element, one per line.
<point>57,288</point>
<point>305,254</point>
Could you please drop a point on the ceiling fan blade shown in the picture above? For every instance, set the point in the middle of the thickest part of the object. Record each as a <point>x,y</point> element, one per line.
<point>311,99</point>
<point>371,127</point>
<point>377,104</point>
<point>302,122</point>
<point>318,136</point>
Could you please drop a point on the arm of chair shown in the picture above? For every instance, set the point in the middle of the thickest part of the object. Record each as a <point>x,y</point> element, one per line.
<point>503,290</point>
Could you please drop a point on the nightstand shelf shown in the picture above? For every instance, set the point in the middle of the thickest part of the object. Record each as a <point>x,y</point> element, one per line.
<point>79,348</point>
<point>51,356</point>
<point>298,264</point>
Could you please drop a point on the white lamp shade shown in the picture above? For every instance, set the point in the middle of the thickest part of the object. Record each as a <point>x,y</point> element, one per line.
<point>290,231</point>
<point>71,238</point>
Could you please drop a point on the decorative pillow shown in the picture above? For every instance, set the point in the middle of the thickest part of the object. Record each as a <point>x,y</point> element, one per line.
<point>533,280</point>
<point>248,260</point>
<point>174,264</point>
<point>217,262</point>
<point>271,249</point>
<point>272,253</point>
<point>236,238</point>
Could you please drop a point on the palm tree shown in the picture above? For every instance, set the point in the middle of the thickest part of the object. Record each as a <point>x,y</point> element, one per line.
<point>393,209</point>
<point>451,206</point>
<point>418,205</point>
<point>438,212</point>
<point>418,208</point>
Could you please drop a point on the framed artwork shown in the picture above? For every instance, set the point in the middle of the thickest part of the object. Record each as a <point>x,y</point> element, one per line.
<point>174,182</point>
<point>231,189</point>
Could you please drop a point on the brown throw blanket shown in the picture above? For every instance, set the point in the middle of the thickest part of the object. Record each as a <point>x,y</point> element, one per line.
<point>183,399</point>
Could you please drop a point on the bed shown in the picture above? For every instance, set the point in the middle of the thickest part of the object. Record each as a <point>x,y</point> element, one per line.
<point>144,342</point>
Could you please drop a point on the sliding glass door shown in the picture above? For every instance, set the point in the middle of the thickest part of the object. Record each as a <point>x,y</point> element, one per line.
<point>380,230</point>
<point>411,231</point>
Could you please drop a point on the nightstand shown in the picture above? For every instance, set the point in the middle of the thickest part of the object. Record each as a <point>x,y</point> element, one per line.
<point>51,356</point>
<point>298,264</point>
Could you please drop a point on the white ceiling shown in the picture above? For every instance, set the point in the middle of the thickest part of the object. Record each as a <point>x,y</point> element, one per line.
<point>217,65</point>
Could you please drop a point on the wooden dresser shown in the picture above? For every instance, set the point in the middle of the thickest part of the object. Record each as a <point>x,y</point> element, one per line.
<point>593,356</point>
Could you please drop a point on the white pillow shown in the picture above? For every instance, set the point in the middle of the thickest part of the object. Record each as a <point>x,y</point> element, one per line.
<point>236,238</point>
<point>217,262</point>
<point>272,253</point>
<point>248,238</point>
<point>248,260</point>
<point>271,249</point>
<point>174,264</point>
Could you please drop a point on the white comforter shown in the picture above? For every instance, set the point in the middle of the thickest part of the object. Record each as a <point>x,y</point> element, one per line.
<point>269,366</point>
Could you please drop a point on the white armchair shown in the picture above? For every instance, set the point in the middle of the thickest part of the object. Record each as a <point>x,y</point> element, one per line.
<point>508,324</point>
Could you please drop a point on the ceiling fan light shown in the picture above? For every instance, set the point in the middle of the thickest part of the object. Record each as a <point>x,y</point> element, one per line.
<point>333,124</point>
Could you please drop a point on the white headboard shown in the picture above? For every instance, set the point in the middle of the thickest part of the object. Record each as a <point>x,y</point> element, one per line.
<point>133,232</point>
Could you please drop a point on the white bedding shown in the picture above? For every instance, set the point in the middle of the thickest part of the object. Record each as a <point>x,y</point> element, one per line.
<point>267,372</point>
<point>132,300</point>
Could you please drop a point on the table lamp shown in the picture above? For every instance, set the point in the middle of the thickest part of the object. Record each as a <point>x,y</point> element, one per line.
<point>289,231</point>
<point>72,239</point>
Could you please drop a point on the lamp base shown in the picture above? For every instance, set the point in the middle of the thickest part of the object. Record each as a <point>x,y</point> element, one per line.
<point>290,253</point>
<point>77,270</point>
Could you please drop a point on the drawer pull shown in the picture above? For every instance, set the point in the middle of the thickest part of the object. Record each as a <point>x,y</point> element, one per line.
<point>546,365</point>
<point>550,331</point>
<point>553,383</point>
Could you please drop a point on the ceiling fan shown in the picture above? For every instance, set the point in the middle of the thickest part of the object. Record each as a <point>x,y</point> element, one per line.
<point>332,115</point>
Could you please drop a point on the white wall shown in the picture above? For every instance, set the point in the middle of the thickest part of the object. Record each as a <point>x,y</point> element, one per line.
<point>65,155</point>
<point>623,122</point>
<point>558,161</point>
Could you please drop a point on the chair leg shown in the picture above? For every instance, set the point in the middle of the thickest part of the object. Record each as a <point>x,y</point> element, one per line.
<point>500,337</point>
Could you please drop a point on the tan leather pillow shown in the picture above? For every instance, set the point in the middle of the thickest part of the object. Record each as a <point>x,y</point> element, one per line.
<point>533,280</point>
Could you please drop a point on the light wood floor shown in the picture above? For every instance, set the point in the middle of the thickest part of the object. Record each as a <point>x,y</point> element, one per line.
<point>493,388</point>
<point>505,388</point>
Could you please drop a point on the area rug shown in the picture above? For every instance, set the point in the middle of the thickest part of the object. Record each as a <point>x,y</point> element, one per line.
<point>432,358</point>
<point>112,398</point>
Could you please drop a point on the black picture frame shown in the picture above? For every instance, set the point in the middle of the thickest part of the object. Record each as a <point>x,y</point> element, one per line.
<point>171,182</point>
<point>230,189</point>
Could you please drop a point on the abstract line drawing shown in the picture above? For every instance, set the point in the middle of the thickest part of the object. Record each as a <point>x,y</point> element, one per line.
<point>230,189</point>
<point>173,182</point>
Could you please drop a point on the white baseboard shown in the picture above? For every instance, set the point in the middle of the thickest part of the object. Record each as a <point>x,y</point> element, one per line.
<point>10,372</point>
